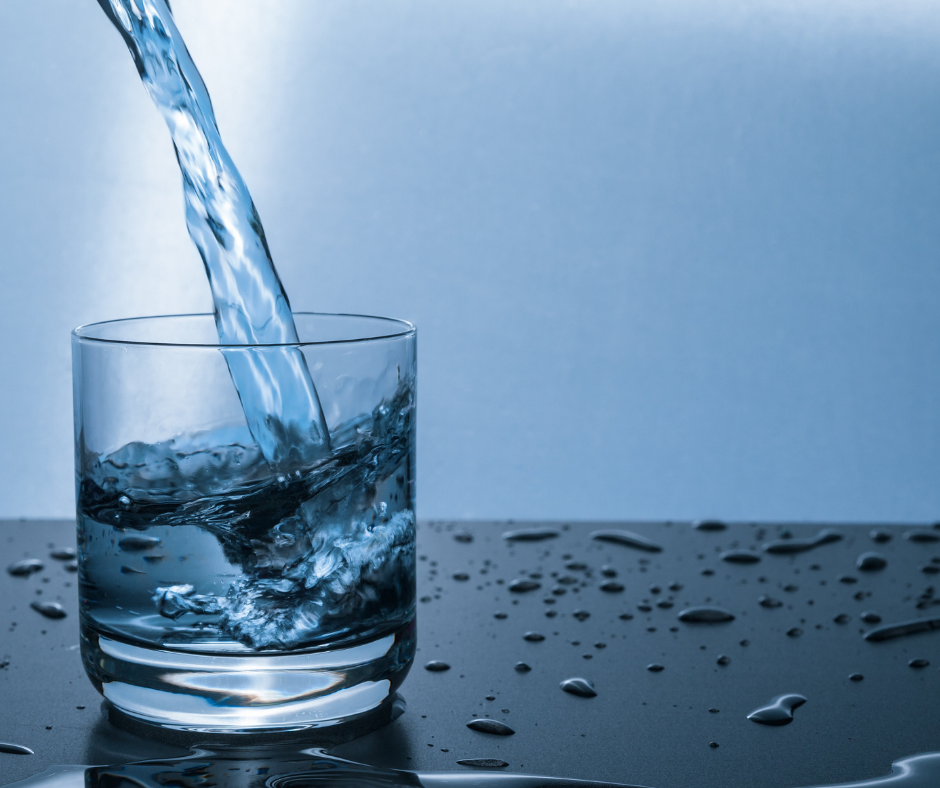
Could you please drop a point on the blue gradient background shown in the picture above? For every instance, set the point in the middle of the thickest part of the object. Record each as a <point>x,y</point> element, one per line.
<point>667,260</point>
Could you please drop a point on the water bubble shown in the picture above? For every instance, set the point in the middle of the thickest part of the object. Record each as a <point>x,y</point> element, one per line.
<point>869,562</point>
<point>788,546</point>
<point>654,668</point>
<point>779,711</point>
<point>611,587</point>
<point>523,585</point>
<point>14,749</point>
<point>627,539</point>
<point>709,526</point>
<point>580,687</point>
<point>581,615</point>
<point>919,663</point>
<point>136,544</point>
<point>723,660</point>
<point>494,727</point>
<point>794,632</point>
<point>25,567</point>
<point>49,609</point>
<point>892,631</point>
<point>870,618</point>
<point>436,666</point>
<point>740,557</point>
<point>63,553</point>
<point>522,667</point>
<point>483,763</point>
<point>769,602</point>
<point>533,637</point>
<point>531,534</point>
<point>856,677</point>
<point>922,536</point>
<point>705,615</point>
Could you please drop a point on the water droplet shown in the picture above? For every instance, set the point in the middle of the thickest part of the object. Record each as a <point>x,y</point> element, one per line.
<point>745,643</point>
<point>436,666</point>
<point>709,525</point>
<point>25,567</point>
<point>654,668</point>
<point>675,586</point>
<point>608,571</point>
<point>483,763</point>
<point>533,637</point>
<point>847,579</point>
<point>129,570</point>
<point>625,616</point>
<point>461,577</point>
<point>464,537</point>
<point>522,667</point>
<point>581,615</point>
<point>71,566</point>
<point>723,660</point>
<point>900,630</point>
<point>739,557</point>
<point>136,544</point>
<point>644,608</point>
<point>500,615</point>
<point>794,632</point>
<point>919,663</point>
<point>14,749</point>
<point>880,535</point>
<point>779,711</point>
<point>576,566</point>
<point>922,536</point>
<point>531,534</point>
<point>612,587</point>
<point>494,727</point>
<point>665,604</point>
<point>870,562</point>
<point>870,618</point>
<point>49,609</point>
<point>769,602</point>
<point>842,618</point>
<point>713,711</point>
<point>705,615</point>
<point>627,539</point>
<point>522,585</point>
<point>63,553</point>
<point>708,572</point>
<point>713,744</point>
<point>930,569</point>
<point>856,677</point>
<point>580,687</point>
<point>788,546</point>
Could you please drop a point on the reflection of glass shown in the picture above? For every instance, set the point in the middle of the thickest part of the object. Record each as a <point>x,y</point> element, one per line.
<point>217,594</point>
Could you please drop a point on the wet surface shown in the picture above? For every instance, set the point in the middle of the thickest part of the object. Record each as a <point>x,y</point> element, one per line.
<point>643,727</point>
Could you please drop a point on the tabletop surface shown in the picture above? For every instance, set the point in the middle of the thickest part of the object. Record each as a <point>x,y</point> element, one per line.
<point>643,727</point>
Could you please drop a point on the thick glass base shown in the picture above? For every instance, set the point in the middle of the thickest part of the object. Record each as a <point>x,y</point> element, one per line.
<point>253,693</point>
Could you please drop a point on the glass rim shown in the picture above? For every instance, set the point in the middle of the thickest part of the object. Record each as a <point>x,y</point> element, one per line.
<point>405,328</point>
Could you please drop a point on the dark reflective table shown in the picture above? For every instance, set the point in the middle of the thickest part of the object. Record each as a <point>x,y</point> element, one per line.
<point>607,610</point>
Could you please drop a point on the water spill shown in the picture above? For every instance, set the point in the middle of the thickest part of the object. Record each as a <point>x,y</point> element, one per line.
<point>436,666</point>
<point>869,562</point>
<point>531,534</point>
<point>483,763</point>
<point>611,587</point>
<point>494,727</point>
<point>779,711</point>
<point>523,585</point>
<point>63,553</point>
<point>580,687</point>
<point>533,637</point>
<point>923,536</point>
<point>49,609</point>
<point>26,567</point>
<point>627,539</point>
<point>789,546</point>
<point>739,557</point>
<point>709,525</point>
<point>891,631</point>
<point>919,663</point>
<point>137,544</point>
<point>705,615</point>
<point>15,749</point>
<point>769,602</point>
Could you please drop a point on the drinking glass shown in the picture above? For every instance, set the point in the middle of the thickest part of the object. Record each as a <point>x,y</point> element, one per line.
<point>219,593</point>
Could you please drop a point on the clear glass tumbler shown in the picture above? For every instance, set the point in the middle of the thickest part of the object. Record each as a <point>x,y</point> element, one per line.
<point>219,594</point>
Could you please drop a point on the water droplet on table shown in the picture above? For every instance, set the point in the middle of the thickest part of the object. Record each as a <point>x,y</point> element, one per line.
<point>627,539</point>
<point>436,666</point>
<point>769,602</point>
<point>49,609</point>
<point>870,618</point>
<point>522,667</point>
<point>709,526</point>
<point>483,763</point>
<point>580,687</point>
<point>705,615</point>
<point>870,562</point>
<point>581,615</point>
<point>779,711</point>
<point>15,749</point>
<point>789,546</point>
<point>611,587</point>
<point>531,534</point>
<point>740,557</point>
<point>922,536</point>
<point>919,663</point>
<point>856,677</point>
<point>25,567</point>
<point>493,727</point>
<point>655,668</point>
<point>794,632</point>
<point>63,553</point>
<point>464,537</point>
<point>533,637</point>
<point>522,585</point>
<point>903,629</point>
